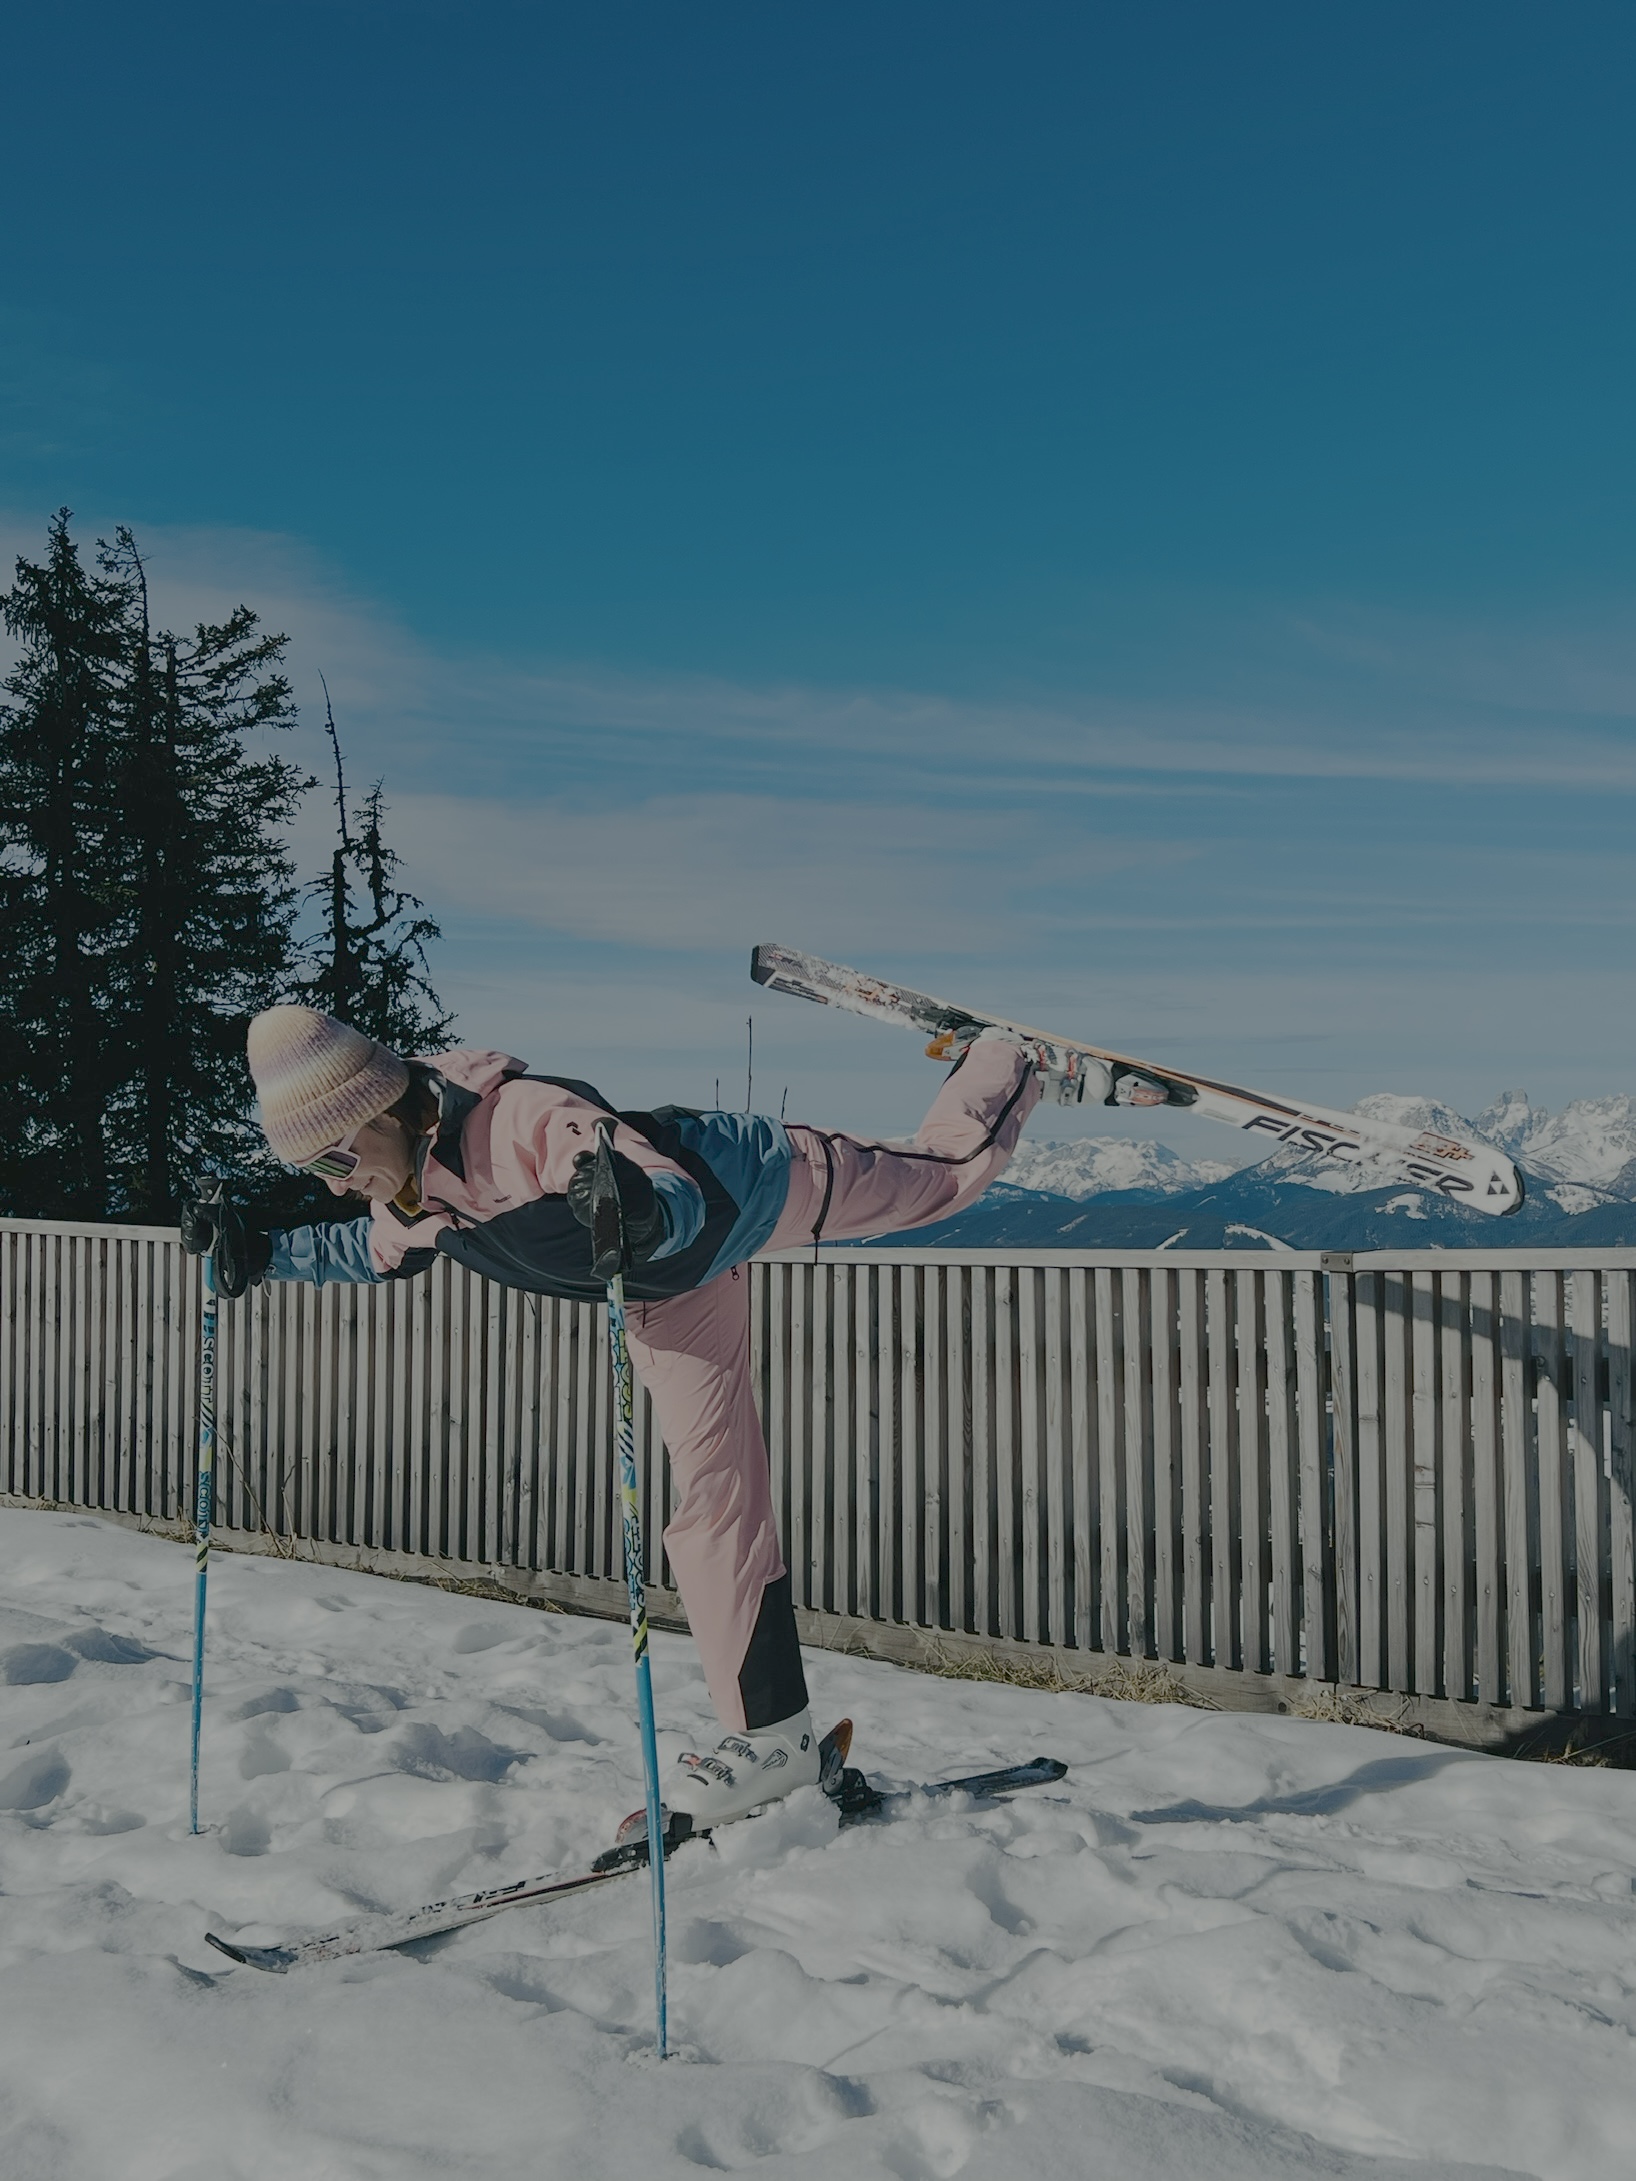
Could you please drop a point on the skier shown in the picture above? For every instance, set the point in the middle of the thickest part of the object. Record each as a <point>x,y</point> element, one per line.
<point>469,1154</point>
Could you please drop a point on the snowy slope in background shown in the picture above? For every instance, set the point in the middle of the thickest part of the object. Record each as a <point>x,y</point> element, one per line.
<point>1097,1164</point>
<point>1109,1193</point>
<point>1225,1949</point>
<point>1591,1141</point>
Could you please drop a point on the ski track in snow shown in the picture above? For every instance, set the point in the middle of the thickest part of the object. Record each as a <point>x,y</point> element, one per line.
<point>1228,1948</point>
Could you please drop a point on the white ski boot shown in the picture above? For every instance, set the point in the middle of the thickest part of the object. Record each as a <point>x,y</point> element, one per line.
<point>1069,1077</point>
<point>744,1771</point>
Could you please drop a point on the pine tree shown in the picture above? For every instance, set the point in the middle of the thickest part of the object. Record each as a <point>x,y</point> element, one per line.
<point>60,896</point>
<point>369,958</point>
<point>209,892</point>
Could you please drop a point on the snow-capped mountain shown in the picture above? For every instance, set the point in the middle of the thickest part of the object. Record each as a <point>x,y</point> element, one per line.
<point>1592,1141</point>
<point>1098,1164</point>
<point>1579,1168</point>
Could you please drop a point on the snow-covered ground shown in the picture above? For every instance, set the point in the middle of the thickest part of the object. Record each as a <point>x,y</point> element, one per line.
<point>1226,1948</point>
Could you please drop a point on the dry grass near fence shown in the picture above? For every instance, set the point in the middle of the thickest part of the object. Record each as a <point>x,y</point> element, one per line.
<point>285,1547</point>
<point>1125,1681</point>
<point>1574,1753</point>
<point>1356,1708</point>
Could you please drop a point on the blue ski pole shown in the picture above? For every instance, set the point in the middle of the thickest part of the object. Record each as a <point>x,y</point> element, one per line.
<point>608,1262</point>
<point>203,1508</point>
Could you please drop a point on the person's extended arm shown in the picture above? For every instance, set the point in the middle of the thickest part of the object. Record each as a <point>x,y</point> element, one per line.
<point>334,1251</point>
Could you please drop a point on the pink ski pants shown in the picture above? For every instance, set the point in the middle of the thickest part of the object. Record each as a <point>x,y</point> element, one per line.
<point>693,1351</point>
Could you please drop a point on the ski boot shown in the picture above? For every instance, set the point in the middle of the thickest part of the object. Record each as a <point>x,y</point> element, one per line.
<point>743,1772</point>
<point>1070,1078</point>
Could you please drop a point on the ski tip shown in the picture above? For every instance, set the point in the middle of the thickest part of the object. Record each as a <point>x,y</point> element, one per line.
<point>836,1745</point>
<point>274,1958</point>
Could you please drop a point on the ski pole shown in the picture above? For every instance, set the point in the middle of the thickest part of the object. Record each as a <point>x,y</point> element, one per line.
<point>608,1262</point>
<point>203,1508</point>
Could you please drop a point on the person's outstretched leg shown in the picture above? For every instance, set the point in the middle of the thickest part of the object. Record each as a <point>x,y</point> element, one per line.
<point>693,1354</point>
<point>847,1188</point>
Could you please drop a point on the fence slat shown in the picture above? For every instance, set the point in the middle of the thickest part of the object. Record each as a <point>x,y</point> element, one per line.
<point>1223,1413</point>
<point>1372,1667</point>
<point>1396,1395</point>
<point>1423,1452</point>
<point>1083,1456</point>
<point>1030,1420</point>
<point>1622,1486</point>
<point>1163,1348</point>
<point>1138,1430</point>
<point>933,1450</point>
<point>1193,1374</point>
<point>909,1444</point>
<point>1283,1477</point>
<point>982,1451</point>
<point>842,1466</point>
<point>1107,1461</point>
<point>1483,1332</point>
<point>1318,1657</point>
<point>1549,1368</point>
<point>1590,1491</point>
<point>1057,1499</point>
<point>1516,1438</point>
<point>1453,1480</point>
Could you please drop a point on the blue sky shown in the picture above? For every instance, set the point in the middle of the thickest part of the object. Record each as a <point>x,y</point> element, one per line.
<point>1121,512</point>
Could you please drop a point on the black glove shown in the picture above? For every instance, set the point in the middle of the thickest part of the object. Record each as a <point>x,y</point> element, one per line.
<point>638,1200</point>
<point>212,1227</point>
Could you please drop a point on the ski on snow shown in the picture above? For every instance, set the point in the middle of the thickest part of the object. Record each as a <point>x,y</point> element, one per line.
<point>847,1788</point>
<point>1457,1167</point>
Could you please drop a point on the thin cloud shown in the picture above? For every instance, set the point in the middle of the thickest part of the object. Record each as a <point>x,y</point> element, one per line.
<point>1544,702</point>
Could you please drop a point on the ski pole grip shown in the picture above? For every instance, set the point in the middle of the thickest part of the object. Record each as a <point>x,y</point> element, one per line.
<point>608,1253</point>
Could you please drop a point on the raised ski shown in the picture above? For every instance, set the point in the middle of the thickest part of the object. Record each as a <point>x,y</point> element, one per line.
<point>1457,1167</point>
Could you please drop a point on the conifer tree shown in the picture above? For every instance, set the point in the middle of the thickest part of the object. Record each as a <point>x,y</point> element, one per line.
<point>61,899</point>
<point>209,893</point>
<point>369,963</point>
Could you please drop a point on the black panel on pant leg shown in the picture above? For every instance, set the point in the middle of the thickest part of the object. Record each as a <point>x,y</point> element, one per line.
<point>771,1681</point>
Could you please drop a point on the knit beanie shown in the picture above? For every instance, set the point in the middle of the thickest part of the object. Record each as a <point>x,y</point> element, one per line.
<point>318,1079</point>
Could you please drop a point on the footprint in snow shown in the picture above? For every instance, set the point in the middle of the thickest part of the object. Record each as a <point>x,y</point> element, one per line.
<point>268,1700</point>
<point>103,1648</point>
<point>40,1778</point>
<point>246,1832</point>
<point>262,1755</point>
<point>483,1636</point>
<point>428,1753</point>
<point>791,2120</point>
<point>27,1663</point>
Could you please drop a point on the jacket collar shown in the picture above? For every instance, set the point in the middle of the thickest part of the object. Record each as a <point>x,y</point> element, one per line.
<point>454,1104</point>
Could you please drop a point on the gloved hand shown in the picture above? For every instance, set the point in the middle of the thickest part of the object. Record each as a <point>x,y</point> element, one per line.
<point>638,1199</point>
<point>212,1227</point>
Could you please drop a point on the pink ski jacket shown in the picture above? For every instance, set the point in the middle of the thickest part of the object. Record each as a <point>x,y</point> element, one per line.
<point>493,1180</point>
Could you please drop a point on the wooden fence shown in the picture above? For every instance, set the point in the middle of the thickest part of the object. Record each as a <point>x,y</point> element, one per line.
<point>1409,1472</point>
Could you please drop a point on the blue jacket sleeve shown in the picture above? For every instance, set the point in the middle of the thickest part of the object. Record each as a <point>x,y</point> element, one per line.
<point>322,1255</point>
<point>683,1204</point>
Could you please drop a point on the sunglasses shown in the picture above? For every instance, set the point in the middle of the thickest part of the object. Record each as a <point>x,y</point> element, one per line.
<point>337,1164</point>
